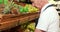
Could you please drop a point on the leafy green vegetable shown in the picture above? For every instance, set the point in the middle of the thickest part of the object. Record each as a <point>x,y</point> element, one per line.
<point>5,2</point>
<point>1,1</point>
<point>8,7</point>
<point>21,9</point>
<point>25,9</point>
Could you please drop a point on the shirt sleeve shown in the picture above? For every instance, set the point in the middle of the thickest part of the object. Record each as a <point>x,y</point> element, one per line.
<point>44,20</point>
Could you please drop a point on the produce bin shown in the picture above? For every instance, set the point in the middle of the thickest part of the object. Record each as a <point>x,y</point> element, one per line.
<point>7,22</point>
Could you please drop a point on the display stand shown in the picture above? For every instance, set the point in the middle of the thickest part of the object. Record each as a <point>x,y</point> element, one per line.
<point>10,21</point>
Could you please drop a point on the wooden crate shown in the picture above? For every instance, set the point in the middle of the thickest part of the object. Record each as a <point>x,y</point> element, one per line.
<point>7,22</point>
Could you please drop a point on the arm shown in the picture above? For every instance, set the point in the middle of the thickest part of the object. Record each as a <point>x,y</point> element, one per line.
<point>38,30</point>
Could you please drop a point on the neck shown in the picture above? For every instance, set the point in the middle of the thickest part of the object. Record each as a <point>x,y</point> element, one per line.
<point>43,4</point>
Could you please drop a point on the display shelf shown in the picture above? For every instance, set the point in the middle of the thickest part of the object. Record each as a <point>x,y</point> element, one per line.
<point>11,22</point>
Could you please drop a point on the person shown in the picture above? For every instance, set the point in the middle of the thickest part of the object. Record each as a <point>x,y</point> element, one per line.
<point>49,18</point>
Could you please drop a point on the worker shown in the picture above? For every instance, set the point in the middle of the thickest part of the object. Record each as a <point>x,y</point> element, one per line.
<point>49,18</point>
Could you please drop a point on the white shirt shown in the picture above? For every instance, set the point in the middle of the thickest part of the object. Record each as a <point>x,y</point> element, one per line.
<point>49,19</point>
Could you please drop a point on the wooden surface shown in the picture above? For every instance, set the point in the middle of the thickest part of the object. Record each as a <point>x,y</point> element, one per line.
<point>11,22</point>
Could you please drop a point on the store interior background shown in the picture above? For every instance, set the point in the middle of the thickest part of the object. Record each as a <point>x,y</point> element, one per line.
<point>57,6</point>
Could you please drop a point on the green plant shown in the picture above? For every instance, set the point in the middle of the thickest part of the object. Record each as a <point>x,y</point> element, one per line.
<point>5,1</point>
<point>1,1</point>
<point>8,6</point>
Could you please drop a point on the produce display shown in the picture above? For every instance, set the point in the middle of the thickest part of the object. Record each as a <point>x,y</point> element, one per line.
<point>28,8</point>
<point>12,8</point>
<point>28,27</point>
<point>31,26</point>
<point>31,8</point>
<point>3,1</point>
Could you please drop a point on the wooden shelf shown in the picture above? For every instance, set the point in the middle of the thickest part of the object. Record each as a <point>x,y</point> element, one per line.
<point>11,22</point>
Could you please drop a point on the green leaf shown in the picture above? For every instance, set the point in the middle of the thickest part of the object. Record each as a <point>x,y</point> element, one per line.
<point>1,1</point>
<point>21,9</point>
<point>25,9</point>
<point>5,2</point>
